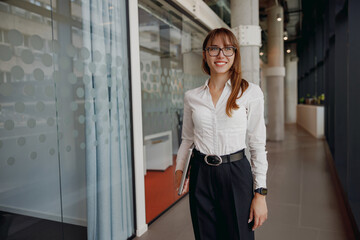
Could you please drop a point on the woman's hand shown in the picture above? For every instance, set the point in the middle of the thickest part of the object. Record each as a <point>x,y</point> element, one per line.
<point>178,175</point>
<point>258,210</point>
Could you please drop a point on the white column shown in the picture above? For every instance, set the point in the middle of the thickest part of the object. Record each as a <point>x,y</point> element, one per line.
<point>141,226</point>
<point>291,86</point>
<point>245,25</point>
<point>275,73</point>
<point>263,66</point>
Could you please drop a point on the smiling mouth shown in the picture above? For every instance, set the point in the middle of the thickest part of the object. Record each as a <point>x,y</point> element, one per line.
<point>220,63</point>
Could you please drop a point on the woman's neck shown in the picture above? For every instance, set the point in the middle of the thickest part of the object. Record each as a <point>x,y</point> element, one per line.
<point>218,81</point>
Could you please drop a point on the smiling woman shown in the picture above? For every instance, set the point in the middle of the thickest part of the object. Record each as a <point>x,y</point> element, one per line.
<point>225,59</point>
<point>217,117</point>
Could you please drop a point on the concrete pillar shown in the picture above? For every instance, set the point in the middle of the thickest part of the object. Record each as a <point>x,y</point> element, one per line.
<point>291,98</point>
<point>245,25</point>
<point>263,66</point>
<point>275,73</point>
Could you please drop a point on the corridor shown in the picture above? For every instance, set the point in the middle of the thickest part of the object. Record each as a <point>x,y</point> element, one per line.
<point>303,203</point>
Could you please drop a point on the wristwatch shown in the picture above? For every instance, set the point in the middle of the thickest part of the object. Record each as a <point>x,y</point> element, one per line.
<point>262,191</point>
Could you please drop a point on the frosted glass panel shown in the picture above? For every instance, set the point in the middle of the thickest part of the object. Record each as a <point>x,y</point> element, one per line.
<point>64,117</point>
<point>29,166</point>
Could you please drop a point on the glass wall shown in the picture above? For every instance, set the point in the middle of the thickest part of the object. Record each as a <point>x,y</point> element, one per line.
<point>221,8</point>
<point>65,132</point>
<point>171,55</point>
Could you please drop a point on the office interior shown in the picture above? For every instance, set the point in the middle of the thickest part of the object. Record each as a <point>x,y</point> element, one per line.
<point>91,106</point>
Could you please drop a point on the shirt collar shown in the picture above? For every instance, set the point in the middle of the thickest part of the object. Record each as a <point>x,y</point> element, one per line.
<point>228,82</point>
<point>206,85</point>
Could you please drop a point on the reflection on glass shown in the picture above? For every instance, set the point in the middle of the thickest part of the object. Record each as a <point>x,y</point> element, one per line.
<point>171,54</point>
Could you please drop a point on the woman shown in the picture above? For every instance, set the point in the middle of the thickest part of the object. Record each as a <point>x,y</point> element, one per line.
<point>217,117</point>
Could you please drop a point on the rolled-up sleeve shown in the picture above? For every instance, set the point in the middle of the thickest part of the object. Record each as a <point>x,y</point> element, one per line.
<point>187,135</point>
<point>256,132</point>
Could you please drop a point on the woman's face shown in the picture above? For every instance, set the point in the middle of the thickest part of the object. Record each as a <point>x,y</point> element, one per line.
<point>219,64</point>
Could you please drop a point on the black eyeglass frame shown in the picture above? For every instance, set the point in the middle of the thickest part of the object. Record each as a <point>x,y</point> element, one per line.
<point>221,49</point>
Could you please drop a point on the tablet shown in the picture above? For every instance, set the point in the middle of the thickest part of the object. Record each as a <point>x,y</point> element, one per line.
<point>186,172</point>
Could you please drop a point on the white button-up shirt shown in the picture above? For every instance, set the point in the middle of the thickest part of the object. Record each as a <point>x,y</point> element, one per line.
<point>214,132</point>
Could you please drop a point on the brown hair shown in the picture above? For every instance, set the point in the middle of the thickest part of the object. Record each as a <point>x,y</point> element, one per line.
<point>237,82</point>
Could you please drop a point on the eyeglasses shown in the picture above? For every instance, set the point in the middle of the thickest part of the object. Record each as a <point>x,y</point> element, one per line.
<point>215,51</point>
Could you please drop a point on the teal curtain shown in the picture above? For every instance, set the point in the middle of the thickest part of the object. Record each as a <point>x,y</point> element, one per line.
<point>108,129</point>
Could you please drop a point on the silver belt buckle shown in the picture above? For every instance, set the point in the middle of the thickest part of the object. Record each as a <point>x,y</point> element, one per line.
<point>213,164</point>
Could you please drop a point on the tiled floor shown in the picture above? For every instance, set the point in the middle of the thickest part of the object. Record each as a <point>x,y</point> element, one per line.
<point>302,201</point>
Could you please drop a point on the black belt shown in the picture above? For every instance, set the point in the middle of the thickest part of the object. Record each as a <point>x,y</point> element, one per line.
<point>216,160</point>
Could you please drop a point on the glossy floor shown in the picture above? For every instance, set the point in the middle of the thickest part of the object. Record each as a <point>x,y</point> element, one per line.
<point>302,201</point>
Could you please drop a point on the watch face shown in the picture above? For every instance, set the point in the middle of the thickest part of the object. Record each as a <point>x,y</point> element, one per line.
<point>262,191</point>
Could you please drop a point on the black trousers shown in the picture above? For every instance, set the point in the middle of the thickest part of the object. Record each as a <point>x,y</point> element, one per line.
<point>220,200</point>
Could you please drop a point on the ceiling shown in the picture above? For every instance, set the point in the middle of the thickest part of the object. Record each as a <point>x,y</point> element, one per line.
<point>292,17</point>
